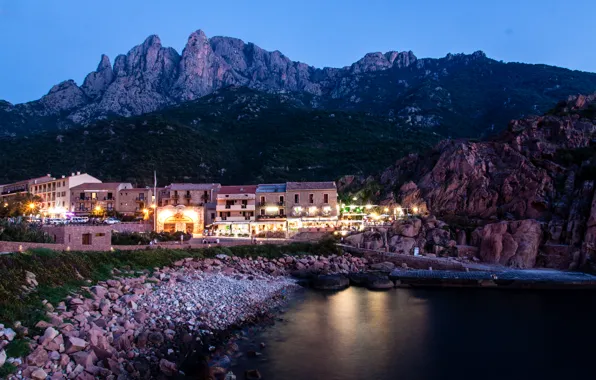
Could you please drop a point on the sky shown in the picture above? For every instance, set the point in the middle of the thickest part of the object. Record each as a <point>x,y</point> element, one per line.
<point>44,42</point>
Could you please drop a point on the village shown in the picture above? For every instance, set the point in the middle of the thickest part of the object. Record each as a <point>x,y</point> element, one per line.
<point>280,210</point>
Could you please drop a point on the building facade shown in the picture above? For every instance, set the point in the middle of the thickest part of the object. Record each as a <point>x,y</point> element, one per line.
<point>311,205</point>
<point>271,215</point>
<point>22,187</point>
<point>134,201</point>
<point>193,194</point>
<point>180,218</point>
<point>235,210</point>
<point>96,197</point>
<point>56,194</point>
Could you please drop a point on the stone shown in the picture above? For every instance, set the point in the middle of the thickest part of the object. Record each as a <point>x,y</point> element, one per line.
<point>84,358</point>
<point>156,338</point>
<point>378,283</point>
<point>39,374</point>
<point>2,357</point>
<point>48,336</point>
<point>74,344</point>
<point>167,368</point>
<point>38,357</point>
<point>9,333</point>
<point>383,267</point>
<point>330,282</point>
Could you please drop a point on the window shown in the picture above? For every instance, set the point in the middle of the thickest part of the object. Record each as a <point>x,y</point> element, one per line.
<point>325,198</point>
<point>281,199</point>
<point>64,183</point>
<point>262,211</point>
<point>212,215</point>
<point>100,234</point>
<point>262,200</point>
<point>58,184</point>
<point>311,198</point>
<point>86,239</point>
<point>109,196</point>
<point>281,211</point>
<point>64,193</point>
<point>296,198</point>
<point>93,195</point>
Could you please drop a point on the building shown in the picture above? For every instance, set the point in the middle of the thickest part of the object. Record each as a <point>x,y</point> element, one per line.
<point>134,201</point>
<point>271,209</point>
<point>55,192</point>
<point>22,187</point>
<point>311,205</point>
<point>188,219</point>
<point>75,237</point>
<point>192,194</point>
<point>235,210</point>
<point>98,197</point>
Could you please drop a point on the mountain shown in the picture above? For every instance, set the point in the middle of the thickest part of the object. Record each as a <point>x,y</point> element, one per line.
<point>458,95</point>
<point>235,135</point>
<point>525,198</point>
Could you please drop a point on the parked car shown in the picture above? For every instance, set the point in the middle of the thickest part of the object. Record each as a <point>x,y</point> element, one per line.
<point>111,221</point>
<point>55,221</point>
<point>79,219</point>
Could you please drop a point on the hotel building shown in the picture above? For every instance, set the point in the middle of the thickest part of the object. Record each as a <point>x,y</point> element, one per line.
<point>90,197</point>
<point>271,209</point>
<point>311,205</point>
<point>235,210</point>
<point>56,193</point>
<point>192,194</point>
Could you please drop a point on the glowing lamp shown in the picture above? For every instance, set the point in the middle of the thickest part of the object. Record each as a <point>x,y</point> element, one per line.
<point>97,208</point>
<point>415,209</point>
<point>386,209</point>
<point>369,206</point>
<point>31,206</point>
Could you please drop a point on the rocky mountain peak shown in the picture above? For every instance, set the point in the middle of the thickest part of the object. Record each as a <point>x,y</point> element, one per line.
<point>96,82</point>
<point>379,61</point>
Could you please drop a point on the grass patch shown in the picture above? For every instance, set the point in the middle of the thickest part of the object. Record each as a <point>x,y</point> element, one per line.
<point>7,369</point>
<point>62,273</point>
<point>17,348</point>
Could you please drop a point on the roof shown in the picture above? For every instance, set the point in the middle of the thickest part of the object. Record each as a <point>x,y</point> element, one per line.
<point>194,186</point>
<point>101,186</point>
<point>271,188</point>
<point>330,185</point>
<point>248,189</point>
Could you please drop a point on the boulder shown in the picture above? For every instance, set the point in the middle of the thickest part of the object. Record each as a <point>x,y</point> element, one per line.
<point>358,278</point>
<point>38,357</point>
<point>383,267</point>
<point>2,357</point>
<point>330,282</point>
<point>403,245</point>
<point>74,344</point>
<point>167,367</point>
<point>378,283</point>
<point>39,374</point>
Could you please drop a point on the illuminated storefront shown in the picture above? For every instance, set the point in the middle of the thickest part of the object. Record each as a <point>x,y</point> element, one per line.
<point>180,219</point>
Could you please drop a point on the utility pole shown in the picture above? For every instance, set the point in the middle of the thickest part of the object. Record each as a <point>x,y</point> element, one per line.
<point>155,201</point>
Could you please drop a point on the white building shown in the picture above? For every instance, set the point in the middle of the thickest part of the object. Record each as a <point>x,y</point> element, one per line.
<point>56,194</point>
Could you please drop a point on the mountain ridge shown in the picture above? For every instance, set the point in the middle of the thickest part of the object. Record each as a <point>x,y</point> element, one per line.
<point>424,92</point>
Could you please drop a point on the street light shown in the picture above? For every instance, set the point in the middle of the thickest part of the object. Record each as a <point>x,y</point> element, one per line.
<point>154,207</point>
<point>98,208</point>
<point>31,206</point>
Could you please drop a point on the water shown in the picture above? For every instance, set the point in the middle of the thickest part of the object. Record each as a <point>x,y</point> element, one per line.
<point>358,334</point>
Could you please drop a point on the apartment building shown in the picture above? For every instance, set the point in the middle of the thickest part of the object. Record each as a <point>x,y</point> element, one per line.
<point>55,192</point>
<point>193,194</point>
<point>89,197</point>
<point>132,201</point>
<point>21,187</point>
<point>271,208</point>
<point>311,205</point>
<point>235,208</point>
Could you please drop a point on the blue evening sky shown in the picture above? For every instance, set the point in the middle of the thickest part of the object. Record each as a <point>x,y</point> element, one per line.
<point>43,42</point>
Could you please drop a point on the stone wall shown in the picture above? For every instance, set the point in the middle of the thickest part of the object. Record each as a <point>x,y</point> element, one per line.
<point>81,237</point>
<point>133,227</point>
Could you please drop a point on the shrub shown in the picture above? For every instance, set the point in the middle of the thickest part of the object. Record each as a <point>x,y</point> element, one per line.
<point>19,230</point>
<point>130,238</point>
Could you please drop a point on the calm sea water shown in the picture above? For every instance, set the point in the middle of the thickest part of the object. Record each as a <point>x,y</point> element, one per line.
<point>358,334</point>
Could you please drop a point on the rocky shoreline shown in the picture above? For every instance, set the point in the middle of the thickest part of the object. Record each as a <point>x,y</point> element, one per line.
<point>173,322</point>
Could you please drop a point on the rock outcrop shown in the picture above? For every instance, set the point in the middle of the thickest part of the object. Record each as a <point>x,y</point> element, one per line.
<point>537,178</point>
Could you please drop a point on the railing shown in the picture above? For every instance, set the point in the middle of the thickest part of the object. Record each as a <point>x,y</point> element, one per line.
<point>187,196</point>
<point>235,207</point>
<point>175,196</point>
<point>264,204</point>
<point>140,199</point>
<point>278,216</point>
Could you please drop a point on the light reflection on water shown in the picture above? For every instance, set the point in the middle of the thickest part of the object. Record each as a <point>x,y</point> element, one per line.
<point>427,334</point>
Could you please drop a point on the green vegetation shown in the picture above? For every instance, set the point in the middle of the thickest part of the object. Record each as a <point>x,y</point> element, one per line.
<point>19,230</point>
<point>136,238</point>
<point>20,205</point>
<point>234,136</point>
<point>59,273</point>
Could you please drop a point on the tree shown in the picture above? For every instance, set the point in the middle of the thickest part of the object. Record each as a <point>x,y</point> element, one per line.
<point>21,205</point>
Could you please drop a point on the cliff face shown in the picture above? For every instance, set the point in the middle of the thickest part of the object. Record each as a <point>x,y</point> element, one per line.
<point>541,169</point>
<point>461,95</point>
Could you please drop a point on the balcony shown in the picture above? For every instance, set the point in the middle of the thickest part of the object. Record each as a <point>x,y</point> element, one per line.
<point>266,217</point>
<point>265,204</point>
<point>235,218</point>
<point>175,196</point>
<point>187,196</point>
<point>140,199</point>
<point>235,207</point>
